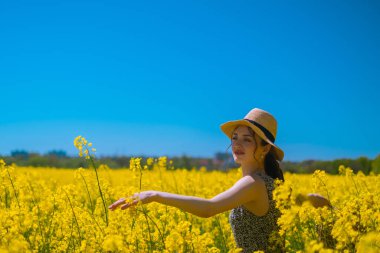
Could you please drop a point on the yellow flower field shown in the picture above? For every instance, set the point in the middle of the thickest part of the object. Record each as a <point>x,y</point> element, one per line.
<point>62,210</point>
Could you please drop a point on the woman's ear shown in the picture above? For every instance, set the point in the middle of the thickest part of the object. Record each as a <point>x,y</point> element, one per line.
<point>266,148</point>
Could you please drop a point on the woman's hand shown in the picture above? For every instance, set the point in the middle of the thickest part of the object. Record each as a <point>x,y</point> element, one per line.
<point>318,200</point>
<point>145,198</point>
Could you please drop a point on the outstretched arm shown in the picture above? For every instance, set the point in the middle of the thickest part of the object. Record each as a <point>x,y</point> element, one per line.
<point>194,205</point>
<point>243,191</point>
<point>191,204</point>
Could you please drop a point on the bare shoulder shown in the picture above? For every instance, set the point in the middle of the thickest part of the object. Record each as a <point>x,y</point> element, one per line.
<point>253,181</point>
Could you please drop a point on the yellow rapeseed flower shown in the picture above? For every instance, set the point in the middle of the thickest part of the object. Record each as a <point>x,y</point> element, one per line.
<point>63,212</point>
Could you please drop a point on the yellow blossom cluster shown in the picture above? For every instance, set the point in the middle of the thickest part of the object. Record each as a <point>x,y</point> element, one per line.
<point>350,224</point>
<point>62,210</point>
<point>84,147</point>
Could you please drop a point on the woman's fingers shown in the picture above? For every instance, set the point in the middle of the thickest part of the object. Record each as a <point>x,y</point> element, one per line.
<point>129,204</point>
<point>125,206</point>
<point>123,203</point>
<point>117,203</point>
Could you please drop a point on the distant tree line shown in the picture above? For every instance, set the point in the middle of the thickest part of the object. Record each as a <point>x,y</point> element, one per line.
<point>220,161</point>
<point>363,164</point>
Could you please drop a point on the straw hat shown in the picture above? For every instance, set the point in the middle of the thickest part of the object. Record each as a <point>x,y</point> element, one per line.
<point>262,123</point>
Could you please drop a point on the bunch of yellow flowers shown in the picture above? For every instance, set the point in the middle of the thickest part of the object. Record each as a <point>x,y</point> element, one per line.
<point>83,146</point>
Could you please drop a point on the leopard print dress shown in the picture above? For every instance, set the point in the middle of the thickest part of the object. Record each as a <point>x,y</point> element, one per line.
<point>252,232</point>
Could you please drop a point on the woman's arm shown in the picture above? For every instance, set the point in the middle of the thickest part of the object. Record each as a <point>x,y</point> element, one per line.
<point>194,205</point>
<point>245,190</point>
<point>191,204</point>
<point>315,200</point>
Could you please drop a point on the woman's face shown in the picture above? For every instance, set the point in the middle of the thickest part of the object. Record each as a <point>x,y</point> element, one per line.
<point>244,146</point>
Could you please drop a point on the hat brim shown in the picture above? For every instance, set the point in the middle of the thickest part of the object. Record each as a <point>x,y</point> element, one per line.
<point>230,126</point>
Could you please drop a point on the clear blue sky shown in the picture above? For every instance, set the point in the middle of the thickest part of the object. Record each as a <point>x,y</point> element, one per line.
<point>159,77</point>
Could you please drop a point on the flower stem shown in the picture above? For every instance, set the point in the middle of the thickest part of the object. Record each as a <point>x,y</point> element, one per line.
<point>100,190</point>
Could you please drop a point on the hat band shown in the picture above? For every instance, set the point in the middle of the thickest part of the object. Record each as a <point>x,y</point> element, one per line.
<point>265,131</point>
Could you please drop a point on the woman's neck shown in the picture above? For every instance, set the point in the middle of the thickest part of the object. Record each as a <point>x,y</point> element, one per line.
<point>252,169</point>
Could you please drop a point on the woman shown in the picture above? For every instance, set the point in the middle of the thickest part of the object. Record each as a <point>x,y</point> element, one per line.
<point>253,212</point>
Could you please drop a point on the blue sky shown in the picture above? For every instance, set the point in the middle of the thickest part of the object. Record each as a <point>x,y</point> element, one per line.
<point>159,77</point>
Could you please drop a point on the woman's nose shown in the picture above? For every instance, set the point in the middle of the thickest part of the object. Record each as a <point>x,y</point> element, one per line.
<point>236,143</point>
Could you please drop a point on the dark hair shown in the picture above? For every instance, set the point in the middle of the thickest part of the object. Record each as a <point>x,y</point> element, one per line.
<point>271,165</point>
